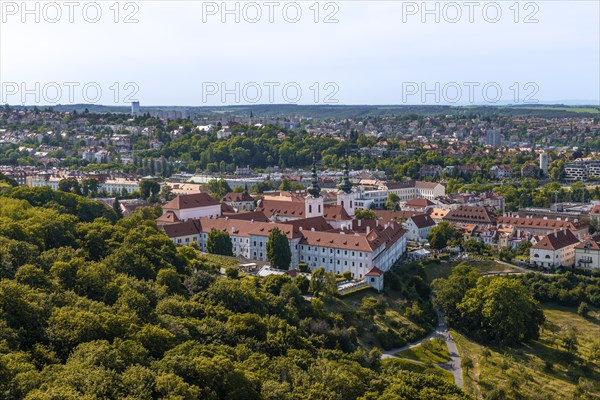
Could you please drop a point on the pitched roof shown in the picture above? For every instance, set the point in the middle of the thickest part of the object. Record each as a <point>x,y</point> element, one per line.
<point>226,208</point>
<point>540,223</point>
<point>290,209</point>
<point>438,213</point>
<point>187,228</point>
<point>473,214</point>
<point>419,202</point>
<point>168,217</point>
<point>335,212</point>
<point>316,223</point>
<point>556,241</point>
<point>591,243</point>
<point>186,201</point>
<point>237,197</point>
<point>422,221</point>
<point>392,215</point>
<point>256,216</point>
<point>350,240</point>
<point>374,272</point>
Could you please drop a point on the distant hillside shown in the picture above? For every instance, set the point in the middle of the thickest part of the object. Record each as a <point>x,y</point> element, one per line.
<point>345,111</point>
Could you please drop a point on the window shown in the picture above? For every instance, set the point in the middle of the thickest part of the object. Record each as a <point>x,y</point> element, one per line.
<point>310,208</point>
<point>319,209</point>
<point>372,279</point>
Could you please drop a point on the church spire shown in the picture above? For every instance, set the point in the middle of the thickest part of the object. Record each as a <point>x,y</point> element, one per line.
<point>314,189</point>
<point>346,186</point>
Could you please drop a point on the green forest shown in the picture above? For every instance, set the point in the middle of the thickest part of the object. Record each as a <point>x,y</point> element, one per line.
<point>94,306</point>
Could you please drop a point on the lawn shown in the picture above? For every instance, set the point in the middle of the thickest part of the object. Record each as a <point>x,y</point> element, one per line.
<point>542,369</point>
<point>443,269</point>
<point>435,351</point>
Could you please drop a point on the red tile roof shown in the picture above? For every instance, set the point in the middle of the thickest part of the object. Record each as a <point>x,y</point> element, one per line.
<point>471,214</point>
<point>419,203</point>
<point>374,272</point>
<point>540,223</point>
<point>592,243</point>
<point>334,212</point>
<point>289,209</point>
<point>422,221</point>
<point>556,241</point>
<point>237,197</point>
<point>186,201</point>
<point>168,217</point>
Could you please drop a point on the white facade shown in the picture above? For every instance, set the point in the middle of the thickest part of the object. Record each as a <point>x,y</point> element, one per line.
<point>197,212</point>
<point>348,201</point>
<point>547,258</point>
<point>313,206</point>
<point>336,260</point>
<point>413,232</point>
<point>587,258</point>
<point>380,196</point>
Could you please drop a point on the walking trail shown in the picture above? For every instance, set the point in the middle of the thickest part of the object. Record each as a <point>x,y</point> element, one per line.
<point>441,330</point>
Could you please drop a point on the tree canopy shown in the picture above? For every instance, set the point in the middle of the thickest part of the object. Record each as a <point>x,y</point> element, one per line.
<point>278,249</point>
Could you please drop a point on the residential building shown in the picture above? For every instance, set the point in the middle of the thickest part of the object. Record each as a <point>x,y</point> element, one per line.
<point>554,250</point>
<point>195,205</point>
<point>239,201</point>
<point>587,253</point>
<point>544,226</point>
<point>501,172</point>
<point>418,227</point>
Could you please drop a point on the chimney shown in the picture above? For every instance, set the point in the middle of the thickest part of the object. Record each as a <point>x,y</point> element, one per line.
<point>359,221</point>
<point>300,228</point>
<point>312,229</point>
<point>368,229</point>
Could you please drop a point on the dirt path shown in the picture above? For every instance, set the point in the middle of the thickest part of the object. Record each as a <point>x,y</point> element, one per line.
<point>441,330</point>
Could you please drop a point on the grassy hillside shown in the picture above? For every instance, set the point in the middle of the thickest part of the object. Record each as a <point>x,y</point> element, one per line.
<point>544,369</point>
<point>442,269</point>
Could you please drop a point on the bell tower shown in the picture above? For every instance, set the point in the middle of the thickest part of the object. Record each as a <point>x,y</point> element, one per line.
<point>313,202</point>
<point>346,196</point>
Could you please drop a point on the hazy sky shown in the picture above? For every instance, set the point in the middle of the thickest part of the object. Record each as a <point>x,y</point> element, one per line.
<point>368,52</point>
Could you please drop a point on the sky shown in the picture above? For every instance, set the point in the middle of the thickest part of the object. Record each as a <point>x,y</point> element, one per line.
<point>194,53</point>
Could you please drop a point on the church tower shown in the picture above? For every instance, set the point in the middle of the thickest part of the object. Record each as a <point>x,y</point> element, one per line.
<point>346,197</point>
<point>313,202</point>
